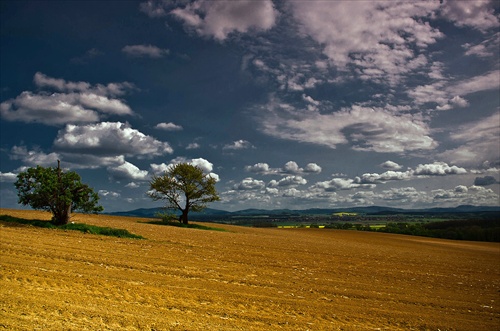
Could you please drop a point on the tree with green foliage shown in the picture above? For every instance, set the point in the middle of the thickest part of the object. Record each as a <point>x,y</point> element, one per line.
<point>184,187</point>
<point>56,191</point>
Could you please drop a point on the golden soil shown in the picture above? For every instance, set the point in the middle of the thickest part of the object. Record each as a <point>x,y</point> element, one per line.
<point>244,279</point>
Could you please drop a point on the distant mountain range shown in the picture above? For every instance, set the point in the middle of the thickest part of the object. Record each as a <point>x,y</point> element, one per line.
<point>208,212</point>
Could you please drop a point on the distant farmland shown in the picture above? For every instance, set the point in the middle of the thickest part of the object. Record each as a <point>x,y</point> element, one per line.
<point>242,279</point>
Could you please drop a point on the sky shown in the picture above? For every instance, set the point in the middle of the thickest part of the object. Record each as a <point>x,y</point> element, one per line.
<point>288,104</point>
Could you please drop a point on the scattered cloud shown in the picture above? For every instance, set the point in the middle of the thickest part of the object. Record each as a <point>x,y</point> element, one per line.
<point>238,144</point>
<point>291,167</point>
<point>218,19</point>
<point>168,126</point>
<point>145,51</point>
<point>391,165</point>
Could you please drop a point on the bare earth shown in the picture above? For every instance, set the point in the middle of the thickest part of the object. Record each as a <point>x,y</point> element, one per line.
<point>244,279</point>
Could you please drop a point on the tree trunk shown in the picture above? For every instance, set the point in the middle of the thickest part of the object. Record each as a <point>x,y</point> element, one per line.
<point>62,215</point>
<point>184,217</point>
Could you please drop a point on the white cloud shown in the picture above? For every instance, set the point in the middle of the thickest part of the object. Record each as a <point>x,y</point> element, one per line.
<point>438,169</point>
<point>365,129</point>
<point>145,51</point>
<point>488,81</point>
<point>79,102</point>
<point>461,195</point>
<point>128,170</point>
<point>132,185</point>
<point>377,37</point>
<point>109,139</point>
<point>479,14</point>
<point>218,19</point>
<point>479,142</point>
<point>238,144</point>
<point>168,126</point>
<point>291,167</point>
<point>59,84</point>
<point>153,8</point>
<point>34,157</point>
<point>193,146</point>
<point>8,177</point>
<point>288,181</point>
<point>109,194</point>
<point>391,165</point>
<point>487,48</point>
<point>337,184</point>
<point>45,109</point>
<point>250,184</point>
<point>260,168</point>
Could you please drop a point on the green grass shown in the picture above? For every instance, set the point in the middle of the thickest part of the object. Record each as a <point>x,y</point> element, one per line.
<point>85,228</point>
<point>190,225</point>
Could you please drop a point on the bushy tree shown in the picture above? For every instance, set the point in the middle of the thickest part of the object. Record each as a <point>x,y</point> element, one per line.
<point>184,187</point>
<point>59,192</point>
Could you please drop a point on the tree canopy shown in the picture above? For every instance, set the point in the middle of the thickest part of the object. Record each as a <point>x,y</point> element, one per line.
<point>184,187</point>
<point>59,192</point>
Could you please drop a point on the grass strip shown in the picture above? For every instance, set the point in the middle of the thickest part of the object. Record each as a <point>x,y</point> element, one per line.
<point>85,228</point>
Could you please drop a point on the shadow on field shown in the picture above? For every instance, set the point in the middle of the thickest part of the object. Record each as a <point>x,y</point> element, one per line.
<point>182,225</point>
<point>11,221</point>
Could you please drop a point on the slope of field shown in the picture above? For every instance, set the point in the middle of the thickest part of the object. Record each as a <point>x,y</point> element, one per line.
<point>243,279</point>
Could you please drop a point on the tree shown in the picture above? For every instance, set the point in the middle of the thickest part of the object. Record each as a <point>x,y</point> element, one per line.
<point>184,184</point>
<point>59,192</point>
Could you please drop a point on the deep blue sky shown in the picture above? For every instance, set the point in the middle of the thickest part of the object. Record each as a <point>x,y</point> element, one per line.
<point>290,104</point>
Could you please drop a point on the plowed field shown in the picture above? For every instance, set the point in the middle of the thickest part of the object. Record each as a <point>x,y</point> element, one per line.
<point>243,279</point>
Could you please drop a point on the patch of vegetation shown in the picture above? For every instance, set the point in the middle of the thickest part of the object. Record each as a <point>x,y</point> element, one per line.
<point>475,230</point>
<point>85,228</point>
<point>183,225</point>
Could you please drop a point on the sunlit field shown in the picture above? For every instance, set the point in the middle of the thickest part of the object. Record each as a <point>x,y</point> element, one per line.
<point>241,279</point>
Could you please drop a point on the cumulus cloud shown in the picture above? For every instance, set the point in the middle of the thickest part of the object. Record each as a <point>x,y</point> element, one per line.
<point>291,167</point>
<point>249,184</point>
<point>168,126</point>
<point>218,19</point>
<point>288,181</point>
<point>145,51</point>
<point>76,102</point>
<point>337,184</point>
<point>238,144</point>
<point>109,139</point>
<point>391,165</point>
<point>127,170</point>
<point>438,169</point>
